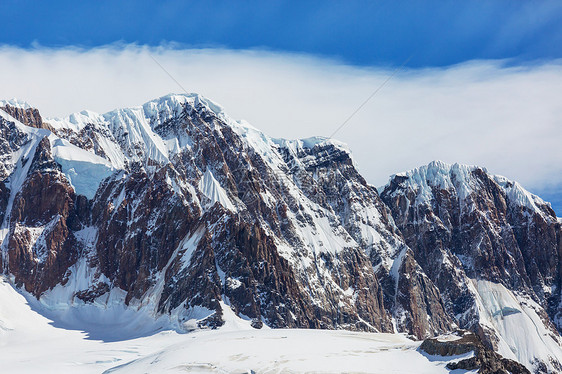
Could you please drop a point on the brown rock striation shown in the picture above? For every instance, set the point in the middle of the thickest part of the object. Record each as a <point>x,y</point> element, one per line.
<point>40,244</point>
<point>29,117</point>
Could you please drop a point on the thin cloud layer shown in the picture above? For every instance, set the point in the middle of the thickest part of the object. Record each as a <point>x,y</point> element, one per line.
<point>507,119</point>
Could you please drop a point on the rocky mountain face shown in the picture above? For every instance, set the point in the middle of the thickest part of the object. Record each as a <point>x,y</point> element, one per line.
<point>469,229</point>
<point>175,209</point>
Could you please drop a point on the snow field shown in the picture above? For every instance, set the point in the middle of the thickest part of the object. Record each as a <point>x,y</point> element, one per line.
<point>30,343</point>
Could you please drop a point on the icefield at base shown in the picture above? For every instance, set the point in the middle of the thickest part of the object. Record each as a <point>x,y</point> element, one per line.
<point>30,343</point>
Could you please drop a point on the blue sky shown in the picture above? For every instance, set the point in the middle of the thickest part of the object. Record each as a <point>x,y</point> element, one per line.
<point>301,48</point>
<point>438,33</point>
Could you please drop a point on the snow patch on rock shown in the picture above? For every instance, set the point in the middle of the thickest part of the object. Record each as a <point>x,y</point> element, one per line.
<point>212,189</point>
<point>84,170</point>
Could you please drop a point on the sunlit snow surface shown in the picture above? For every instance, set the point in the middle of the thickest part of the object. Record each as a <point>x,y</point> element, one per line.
<point>84,170</point>
<point>30,343</point>
<point>521,332</point>
<point>212,189</point>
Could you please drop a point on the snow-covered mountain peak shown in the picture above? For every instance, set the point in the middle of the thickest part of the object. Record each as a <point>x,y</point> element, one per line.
<point>311,143</point>
<point>156,131</point>
<point>157,109</point>
<point>176,209</point>
<point>16,103</point>
<point>437,174</point>
<point>170,105</point>
<point>76,121</point>
<point>521,197</point>
<point>465,181</point>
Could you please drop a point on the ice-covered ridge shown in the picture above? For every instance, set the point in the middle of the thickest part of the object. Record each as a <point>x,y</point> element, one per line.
<point>16,103</point>
<point>23,128</point>
<point>76,121</point>
<point>139,123</point>
<point>310,143</point>
<point>160,109</point>
<point>157,109</point>
<point>519,196</point>
<point>21,162</point>
<point>458,177</point>
<point>212,189</point>
<point>84,169</point>
<point>516,319</point>
<point>172,104</point>
<point>134,127</point>
<point>438,174</point>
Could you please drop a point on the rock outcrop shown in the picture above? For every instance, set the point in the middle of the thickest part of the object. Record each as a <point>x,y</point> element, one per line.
<point>462,342</point>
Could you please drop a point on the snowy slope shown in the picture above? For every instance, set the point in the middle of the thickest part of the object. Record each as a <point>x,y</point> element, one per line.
<point>212,189</point>
<point>290,351</point>
<point>30,342</point>
<point>514,318</point>
<point>84,170</point>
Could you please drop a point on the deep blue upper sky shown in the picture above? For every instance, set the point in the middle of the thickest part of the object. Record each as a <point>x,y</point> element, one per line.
<point>438,33</point>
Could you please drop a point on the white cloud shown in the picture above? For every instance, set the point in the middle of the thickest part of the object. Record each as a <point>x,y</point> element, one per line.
<point>508,119</point>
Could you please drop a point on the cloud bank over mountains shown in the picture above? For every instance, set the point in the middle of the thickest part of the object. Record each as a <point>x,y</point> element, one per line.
<point>491,113</point>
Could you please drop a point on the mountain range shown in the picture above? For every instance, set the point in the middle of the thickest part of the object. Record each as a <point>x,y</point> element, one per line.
<point>176,211</point>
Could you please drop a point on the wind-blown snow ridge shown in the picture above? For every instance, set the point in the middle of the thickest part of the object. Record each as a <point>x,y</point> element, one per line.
<point>458,177</point>
<point>212,189</point>
<point>16,103</point>
<point>520,196</point>
<point>311,142</point>
<point>158,109</point>
<point>439,174</point>
<point>139,125</point>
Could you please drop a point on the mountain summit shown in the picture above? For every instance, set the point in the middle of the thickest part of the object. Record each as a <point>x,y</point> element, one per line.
<point>183,214</point>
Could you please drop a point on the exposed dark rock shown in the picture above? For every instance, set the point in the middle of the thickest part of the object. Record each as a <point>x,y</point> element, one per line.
<point>42,207</point>
<point>29,117</point>
<point>421,301</point>
<point>91,294</point>
<point>462,223</point>
<point>485,360</point>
